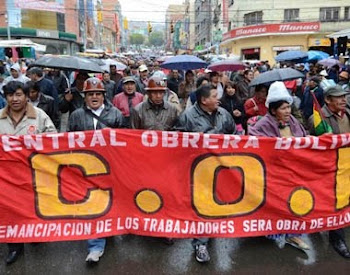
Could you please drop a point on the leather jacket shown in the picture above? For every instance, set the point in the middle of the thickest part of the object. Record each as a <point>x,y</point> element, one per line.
<point>195,119</point>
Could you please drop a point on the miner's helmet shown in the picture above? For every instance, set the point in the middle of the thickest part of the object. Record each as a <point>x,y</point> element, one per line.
<point>156,83</point>
<point>93,84</point>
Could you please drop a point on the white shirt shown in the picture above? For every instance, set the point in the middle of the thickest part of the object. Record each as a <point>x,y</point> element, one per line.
<point>97,112</point>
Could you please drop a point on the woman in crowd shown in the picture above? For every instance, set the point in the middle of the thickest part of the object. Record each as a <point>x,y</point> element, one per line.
<point>186,87</point>
<point>201,81</point>
<point>279,122</point>
<point>233,105</point>
<point>255,106</point>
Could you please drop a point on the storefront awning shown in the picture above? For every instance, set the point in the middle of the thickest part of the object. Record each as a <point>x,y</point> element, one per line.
<point>341,33</point>
<point>22,43</point>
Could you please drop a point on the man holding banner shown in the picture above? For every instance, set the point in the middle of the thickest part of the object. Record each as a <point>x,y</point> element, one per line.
<point>20,117</point>
<point>335,114</point>
<point>96,114</point>
<point>207,117</point>
<point>154,113</point>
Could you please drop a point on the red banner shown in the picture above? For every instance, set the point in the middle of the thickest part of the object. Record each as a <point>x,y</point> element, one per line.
<point>256,30</point>
<point>82,185</point>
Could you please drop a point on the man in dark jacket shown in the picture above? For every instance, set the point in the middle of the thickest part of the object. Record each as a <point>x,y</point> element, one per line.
<point>44,102</point>
<point>97,113</point>
<point>73,98</point>
<point>110,86</point>
<point>46,85</point>
<point>337,115</point>
<point>207,117</point>
<point>154,113</point>
<point>174,80</point>
<point>115,76</point>
<point>58,79</point>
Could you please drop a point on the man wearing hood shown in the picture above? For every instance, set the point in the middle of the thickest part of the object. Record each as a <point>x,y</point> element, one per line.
<point>16,75</point>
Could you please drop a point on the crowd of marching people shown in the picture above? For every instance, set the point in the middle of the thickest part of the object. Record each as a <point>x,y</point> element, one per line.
<point>143,96</point>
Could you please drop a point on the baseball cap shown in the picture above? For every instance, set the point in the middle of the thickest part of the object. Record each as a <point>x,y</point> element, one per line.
<point>335,91</point>
<point>143,68</point>
<point>128,79</point>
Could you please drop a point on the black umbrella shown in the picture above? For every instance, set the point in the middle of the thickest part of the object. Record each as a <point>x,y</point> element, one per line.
<point>276,75</point>
<point>68,63</point>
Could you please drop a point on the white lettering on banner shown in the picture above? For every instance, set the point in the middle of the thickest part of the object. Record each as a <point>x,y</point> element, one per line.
<point>77,140</point>
<point>47,230</point>
<point>170,139</point>
<point>187,227</point>
<point>210,142</point>
<point>55,137</point>
<point>145,139</point>
<point>98,139</point>
<point>11,143</point>
<point>33,142</point>
<point>190,140</point>
<point>257,225</point>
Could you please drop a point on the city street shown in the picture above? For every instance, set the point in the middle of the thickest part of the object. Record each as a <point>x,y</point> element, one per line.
<point>143,255</point>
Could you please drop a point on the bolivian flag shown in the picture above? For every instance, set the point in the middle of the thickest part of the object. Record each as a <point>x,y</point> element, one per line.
<point>320,125</point>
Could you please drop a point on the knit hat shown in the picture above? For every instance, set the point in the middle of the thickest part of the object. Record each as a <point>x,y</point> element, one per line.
<point>277,92</point>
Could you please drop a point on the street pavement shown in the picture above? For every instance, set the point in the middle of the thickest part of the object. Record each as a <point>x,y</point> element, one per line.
<point>144,255</point>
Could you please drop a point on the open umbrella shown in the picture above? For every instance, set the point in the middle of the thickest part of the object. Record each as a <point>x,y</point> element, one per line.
<point>184,62</point>
<point>329,62</point>
<point>108,62</point>
<point>227,65</point>
<point>292,56</point>
<point>276,75</point>
<point>68,63</point>
<point>317,55</point>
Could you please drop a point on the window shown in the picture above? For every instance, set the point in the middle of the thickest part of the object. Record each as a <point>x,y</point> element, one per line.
<point>197,11</point>
<point>229,25</point>
<point>347,14</point>
<point>329,14</point>
<point>217,13</point>
<point>291,15</point>
<point>197,29</point>
<point>61,26</point>
<point>253,18</point>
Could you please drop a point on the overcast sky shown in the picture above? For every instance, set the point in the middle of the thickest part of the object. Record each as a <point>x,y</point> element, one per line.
<point>146,10</point>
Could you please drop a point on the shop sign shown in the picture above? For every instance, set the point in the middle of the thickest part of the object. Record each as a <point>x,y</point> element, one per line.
<point>47,34</point>
<point>251,51</point>
<point>53,6</point>
<point>319,42</point>
<point>304,27</point>
<point>286,48</point>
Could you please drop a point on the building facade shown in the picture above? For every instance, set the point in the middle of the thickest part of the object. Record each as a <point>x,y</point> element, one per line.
<point>64,26</point>
<point>261,29</point>
<point>175,27</point>
<point>52,23</point>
